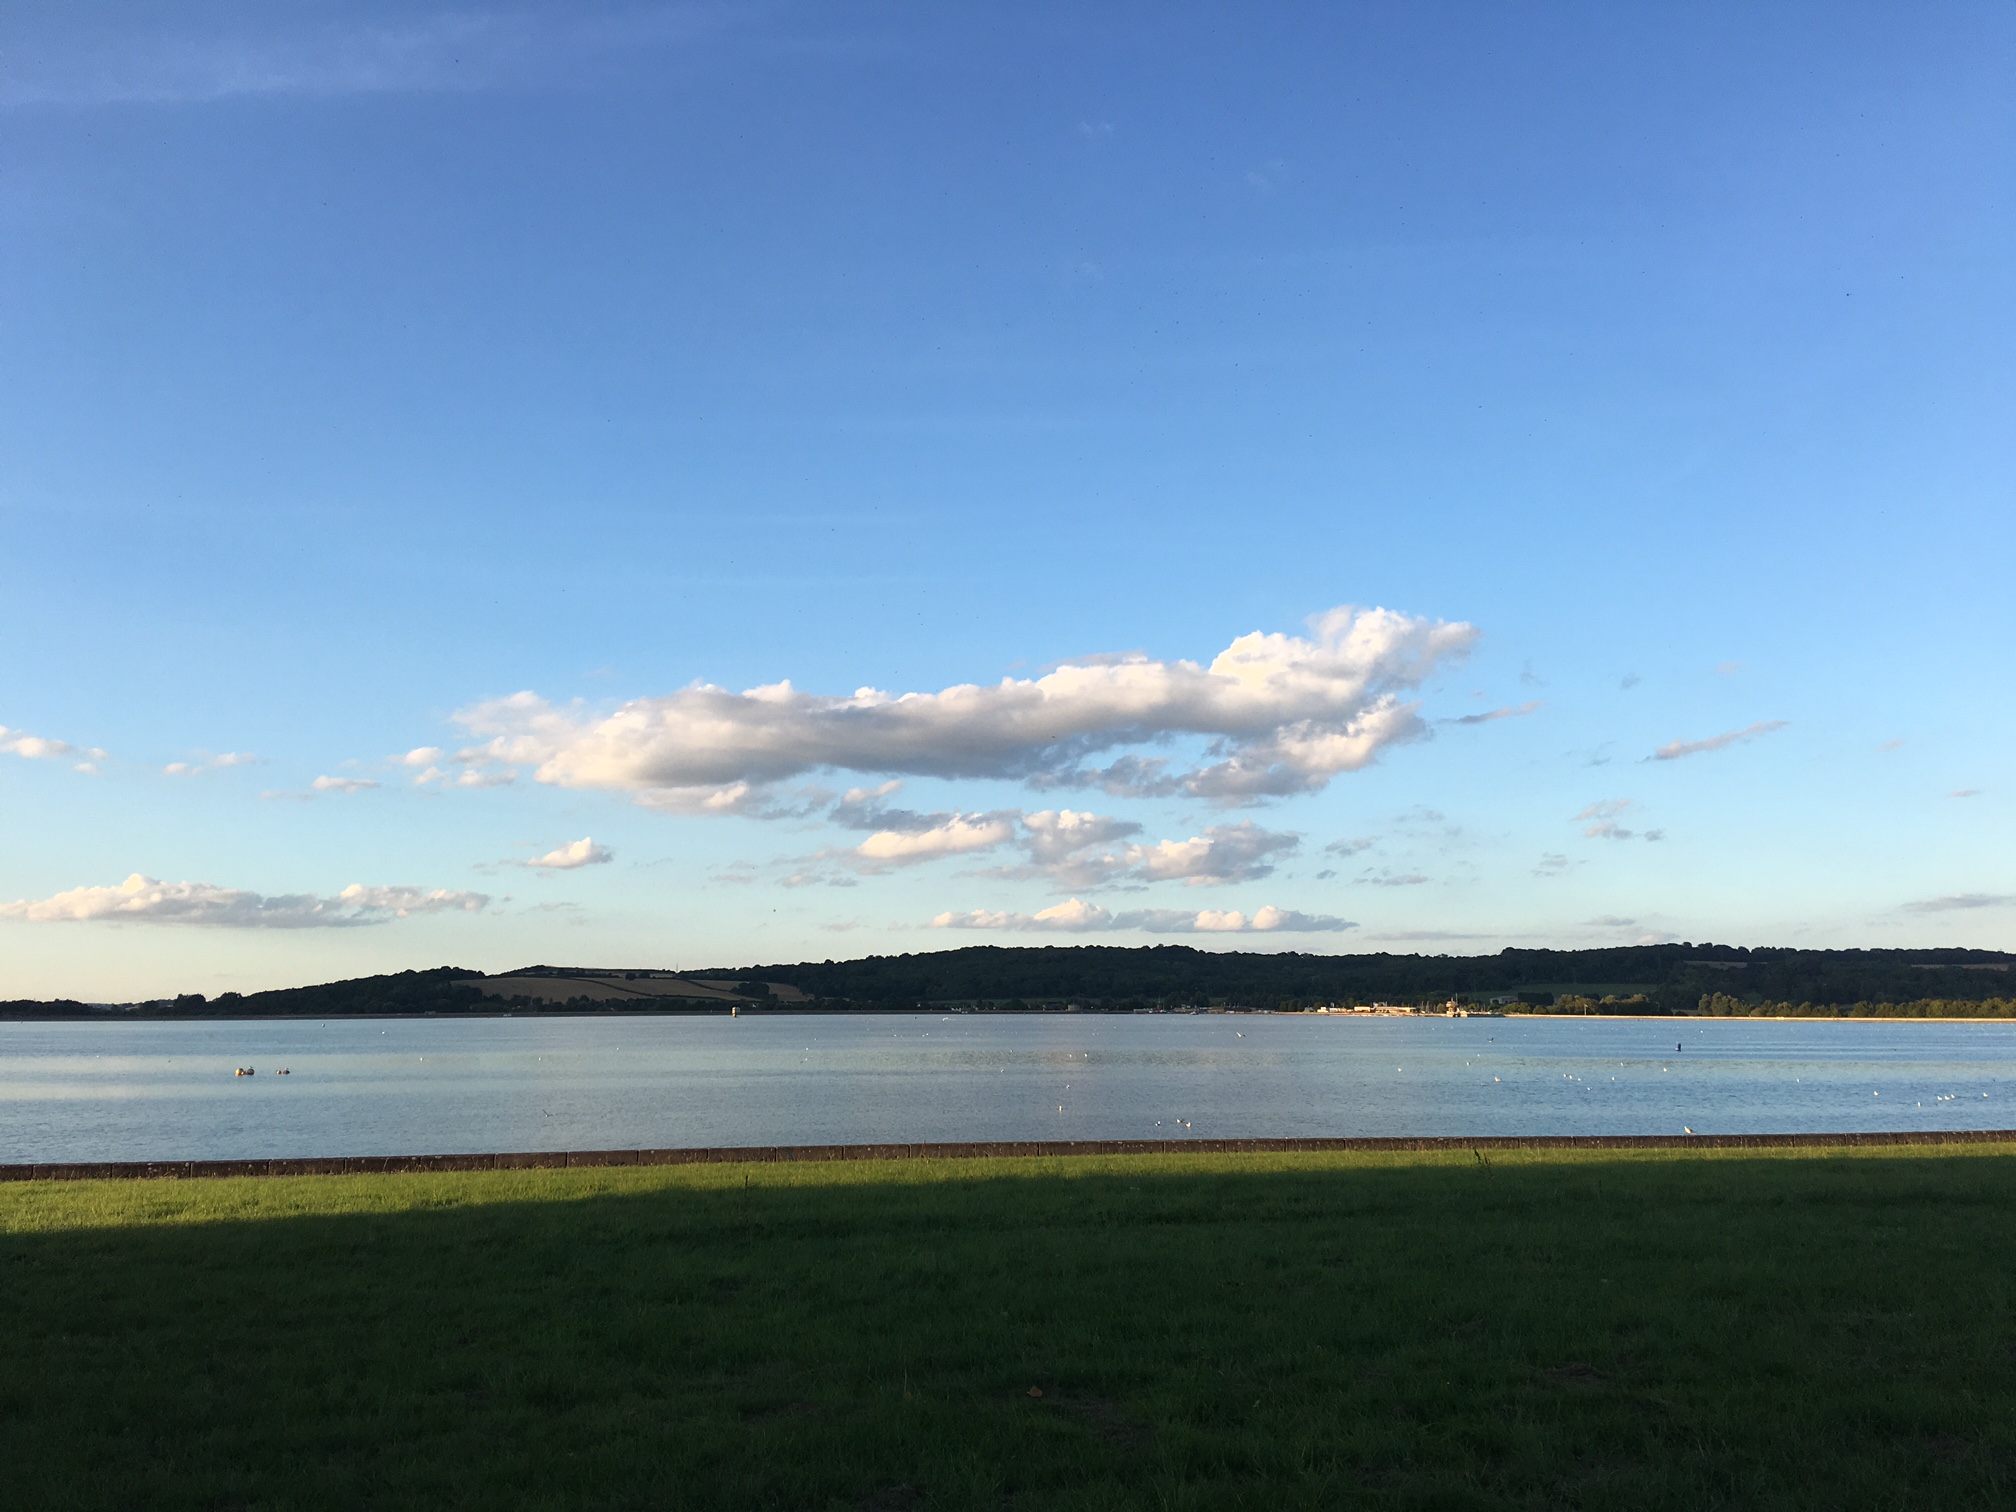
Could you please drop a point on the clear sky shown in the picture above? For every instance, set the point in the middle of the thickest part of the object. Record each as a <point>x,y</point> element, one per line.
<point>640,485</point>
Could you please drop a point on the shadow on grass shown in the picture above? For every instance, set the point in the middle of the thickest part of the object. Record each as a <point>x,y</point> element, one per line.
<point>1530,1333</point>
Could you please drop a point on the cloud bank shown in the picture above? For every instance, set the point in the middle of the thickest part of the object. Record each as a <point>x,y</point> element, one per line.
<point>1065,846</point>
<point>145,900</point>
<point>1079,917</point>
<point>1278,715</point>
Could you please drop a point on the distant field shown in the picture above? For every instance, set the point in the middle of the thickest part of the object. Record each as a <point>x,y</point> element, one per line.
<point>1607,1330</point>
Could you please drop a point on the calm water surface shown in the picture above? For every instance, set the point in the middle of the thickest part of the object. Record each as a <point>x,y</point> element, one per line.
<point>73,1091</point>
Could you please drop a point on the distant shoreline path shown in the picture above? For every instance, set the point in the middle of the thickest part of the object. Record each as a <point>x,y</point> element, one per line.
<point>358,1165</point>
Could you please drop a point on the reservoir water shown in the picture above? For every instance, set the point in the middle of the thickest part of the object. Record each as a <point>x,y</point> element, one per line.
<point>149,1091</point>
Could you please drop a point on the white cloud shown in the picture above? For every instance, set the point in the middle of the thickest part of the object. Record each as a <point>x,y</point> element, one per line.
<point>1076,916</point>
<point>1054,835</point>
<point>902,837</point>
<point>956,835</point>
<point>469,777</point>
<point>33,747</point>
<point>207,763</point>
<point>1068,847</point>
<point>862,807</point>
<point>1223,853</point>
<point>575,853</point>
<point>41,748</point>
<point>342,784</point>
<point>1065,847</point>
<point>402,901</point>
<point>421,756</point>
<point>1673,750</point>
<point>1282,714</point>
<point>736,798</point>
<point>1072,915</point>
<point>145,900</point>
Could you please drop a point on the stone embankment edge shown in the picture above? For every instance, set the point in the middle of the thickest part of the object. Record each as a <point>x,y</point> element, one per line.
<point>354,1165</point>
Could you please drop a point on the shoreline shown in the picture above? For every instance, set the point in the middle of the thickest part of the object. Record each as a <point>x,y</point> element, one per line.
<point>381,1165</point>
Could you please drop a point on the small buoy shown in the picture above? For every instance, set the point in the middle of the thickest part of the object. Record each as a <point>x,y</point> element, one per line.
<point>282,1072</point>
<point>243,1071</point>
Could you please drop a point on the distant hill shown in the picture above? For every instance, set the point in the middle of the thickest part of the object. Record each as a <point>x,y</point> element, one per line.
<point>1655,978</point>
<point>453,990</point>
<point>1673,978</point>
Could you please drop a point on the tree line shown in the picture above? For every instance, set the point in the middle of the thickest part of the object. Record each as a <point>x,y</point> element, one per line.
<point>1646,979</point>
<point>1721,1005</point>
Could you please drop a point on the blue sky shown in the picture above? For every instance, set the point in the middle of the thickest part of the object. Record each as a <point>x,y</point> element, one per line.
<point>365,369</point>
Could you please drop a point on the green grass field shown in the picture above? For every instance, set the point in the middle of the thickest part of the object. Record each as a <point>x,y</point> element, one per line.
<point>1802,1329</point>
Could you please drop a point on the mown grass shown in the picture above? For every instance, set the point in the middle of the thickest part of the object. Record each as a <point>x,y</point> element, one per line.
<point>1550,1330</point>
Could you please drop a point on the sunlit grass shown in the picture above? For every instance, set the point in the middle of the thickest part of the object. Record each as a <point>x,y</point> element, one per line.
<point>1600,1329</point>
